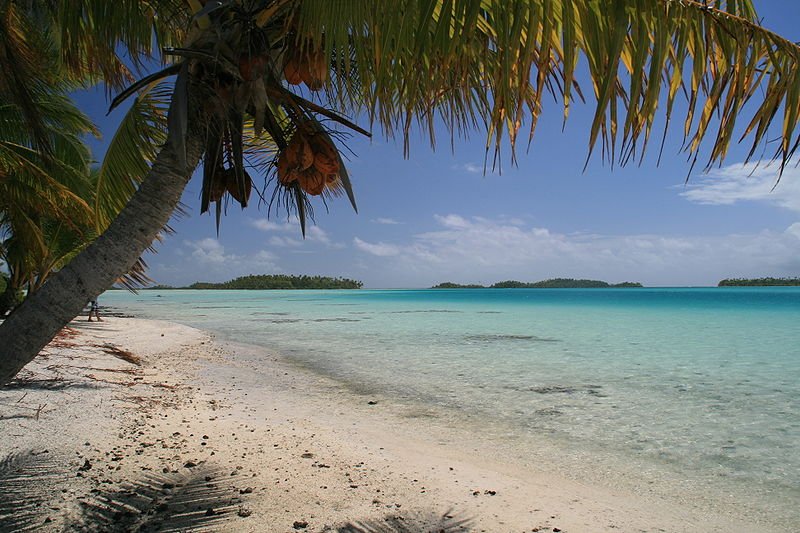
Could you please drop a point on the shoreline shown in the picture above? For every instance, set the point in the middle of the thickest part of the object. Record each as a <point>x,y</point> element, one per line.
<point>284,449</point>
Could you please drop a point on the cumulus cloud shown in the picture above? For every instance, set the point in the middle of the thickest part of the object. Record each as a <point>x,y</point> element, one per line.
<point>317,234</point>
<point>385,221</point>
<point>472,168</point>
<point>314,234</point>
<point>209,254</point>
<point>746,183</point>
<point>208,251</point>
<point>379,249</point>
<point>266,225</point>
<point>485,250</point>
<point>284,241</point>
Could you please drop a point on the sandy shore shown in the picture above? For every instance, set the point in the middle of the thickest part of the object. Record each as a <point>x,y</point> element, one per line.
<point>200,435</point>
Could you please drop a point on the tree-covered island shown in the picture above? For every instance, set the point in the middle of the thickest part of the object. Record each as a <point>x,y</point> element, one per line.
<point>281,281</point>
<point>760,282</point>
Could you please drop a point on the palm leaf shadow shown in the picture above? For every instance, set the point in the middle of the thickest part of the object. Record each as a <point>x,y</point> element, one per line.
<point>27,479</point>
<point>197,501</point>
<point>430,522</point>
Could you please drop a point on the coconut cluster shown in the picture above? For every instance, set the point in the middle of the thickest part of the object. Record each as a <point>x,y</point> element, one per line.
<point>307,65</point>
<point>311,160</point>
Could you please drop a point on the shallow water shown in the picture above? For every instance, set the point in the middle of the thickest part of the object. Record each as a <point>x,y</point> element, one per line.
<point>695,391</point>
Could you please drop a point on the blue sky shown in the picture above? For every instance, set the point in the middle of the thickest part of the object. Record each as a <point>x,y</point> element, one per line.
<point>436,217</point>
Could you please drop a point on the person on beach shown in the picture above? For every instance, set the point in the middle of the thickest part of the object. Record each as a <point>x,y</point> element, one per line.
<point>94,308</point>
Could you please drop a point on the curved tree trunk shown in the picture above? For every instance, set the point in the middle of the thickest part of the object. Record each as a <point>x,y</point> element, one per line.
<point>34,323</point>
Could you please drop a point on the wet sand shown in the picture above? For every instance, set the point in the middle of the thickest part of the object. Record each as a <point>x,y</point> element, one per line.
<point>201,435</point>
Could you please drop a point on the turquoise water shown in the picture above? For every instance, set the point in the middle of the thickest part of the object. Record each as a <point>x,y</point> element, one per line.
<point>696,391</point>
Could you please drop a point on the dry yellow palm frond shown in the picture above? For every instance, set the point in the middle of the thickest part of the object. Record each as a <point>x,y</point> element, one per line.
<point>475,63</point>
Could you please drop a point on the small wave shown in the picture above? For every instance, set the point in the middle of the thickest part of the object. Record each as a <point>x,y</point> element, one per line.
<point>592,390</point>
<point>548,411</point>
<point>493,338</point>
<point>335,320</point>
<point>423,311</point>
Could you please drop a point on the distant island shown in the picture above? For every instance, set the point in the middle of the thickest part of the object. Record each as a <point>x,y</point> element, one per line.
<point>274,282</point>
<point>449,285</point>
<point>556,283</point>
<point>760,282</point>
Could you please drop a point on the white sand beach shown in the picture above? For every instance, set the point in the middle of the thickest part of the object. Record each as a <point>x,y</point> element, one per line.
<point>202,436</point>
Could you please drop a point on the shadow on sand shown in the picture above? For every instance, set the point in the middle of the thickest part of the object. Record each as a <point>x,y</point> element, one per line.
<point>430,522</point>
<point>204,499</point>
<point>30,483</point>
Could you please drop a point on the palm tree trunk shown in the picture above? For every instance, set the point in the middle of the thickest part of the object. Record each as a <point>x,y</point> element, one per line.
<point>34,323</point>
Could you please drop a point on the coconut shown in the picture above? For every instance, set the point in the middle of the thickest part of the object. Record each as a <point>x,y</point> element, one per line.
<point>292,68</point>
<point>299,152</point>
<point>286,174</point>
<point>326,157</point>
<point>312,181</point>
<point>316,70</point>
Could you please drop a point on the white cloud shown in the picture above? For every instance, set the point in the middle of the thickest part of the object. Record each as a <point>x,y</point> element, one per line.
<point>485,250</point>
<point>210,253</point>
<point>267,225</point>
<point>207,260</point>
<point>314,234</point>
<point>317,234</point>
<point>752,182</point>
<point>386,221</point>
<point>208,250</point>
<point>473,168</point>
<point>379,249</point>
<point>284,241</point>
<point>452,221</point>
<point>265,256</point>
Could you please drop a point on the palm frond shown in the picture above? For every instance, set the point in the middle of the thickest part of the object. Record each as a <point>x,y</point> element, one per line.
<point>98,40</point>
<point>27,64</point>
<point>482,61</point>
<point>472,65</point>
<point>130,153</point>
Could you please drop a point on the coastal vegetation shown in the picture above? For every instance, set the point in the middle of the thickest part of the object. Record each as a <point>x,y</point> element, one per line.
<point>760,282</point>
<point>280,281</point>
<point>238,102</point>
<point>555,283</point>
<point>451,285</point>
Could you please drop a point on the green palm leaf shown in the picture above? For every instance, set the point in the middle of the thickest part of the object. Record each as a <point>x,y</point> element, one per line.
<point>130,154</point>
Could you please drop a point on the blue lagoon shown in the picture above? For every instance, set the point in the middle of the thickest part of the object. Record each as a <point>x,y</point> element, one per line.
<point>693,394</point>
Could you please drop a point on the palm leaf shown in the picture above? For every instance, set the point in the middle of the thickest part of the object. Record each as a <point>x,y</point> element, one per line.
<point>130,153</point>
<point>634,49</point>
